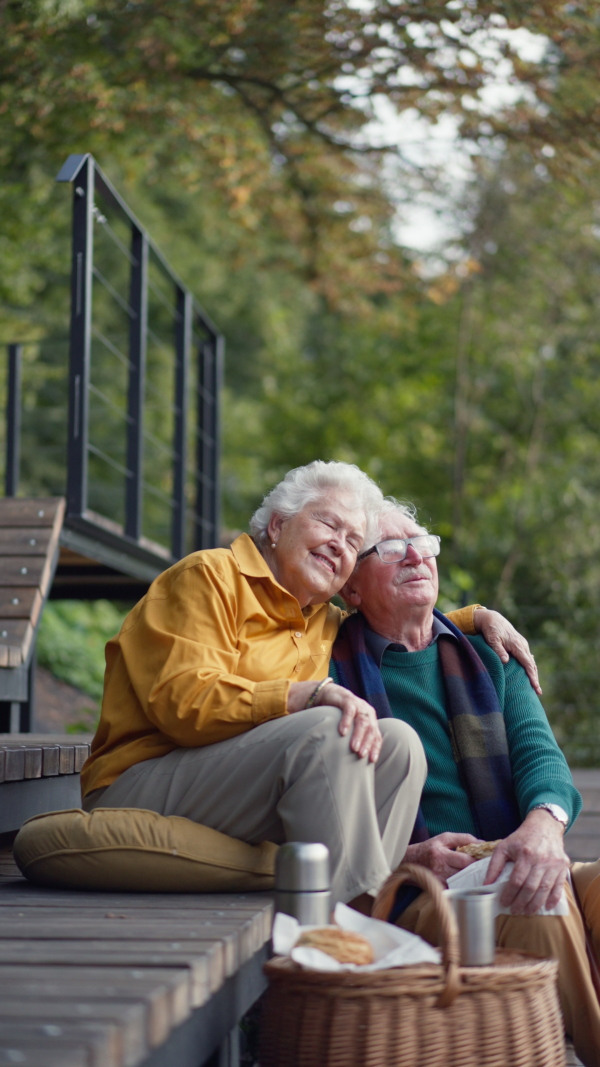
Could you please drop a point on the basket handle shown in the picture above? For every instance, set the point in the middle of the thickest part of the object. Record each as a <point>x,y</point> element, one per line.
<point>415,874</point>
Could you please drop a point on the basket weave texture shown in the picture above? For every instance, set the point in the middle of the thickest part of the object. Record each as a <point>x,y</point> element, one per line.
<point>425,1015</point>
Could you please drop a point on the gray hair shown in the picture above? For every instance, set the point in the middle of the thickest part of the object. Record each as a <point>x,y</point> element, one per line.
<point>389,506</point>
<point>302,485</point>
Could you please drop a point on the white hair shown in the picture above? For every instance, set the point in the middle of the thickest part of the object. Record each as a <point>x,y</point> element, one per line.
<point>389,506</point>
<point>302,485</point>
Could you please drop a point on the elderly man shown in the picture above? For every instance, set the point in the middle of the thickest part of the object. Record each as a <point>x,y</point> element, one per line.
<point>494,768</point>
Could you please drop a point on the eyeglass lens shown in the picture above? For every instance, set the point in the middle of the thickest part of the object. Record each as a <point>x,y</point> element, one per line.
<point>394,550</point>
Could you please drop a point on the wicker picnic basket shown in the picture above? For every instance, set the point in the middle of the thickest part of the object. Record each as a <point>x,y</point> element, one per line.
<point>425,1015</point>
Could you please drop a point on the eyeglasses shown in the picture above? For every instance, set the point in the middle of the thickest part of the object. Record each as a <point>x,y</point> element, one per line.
<point>394,550</point>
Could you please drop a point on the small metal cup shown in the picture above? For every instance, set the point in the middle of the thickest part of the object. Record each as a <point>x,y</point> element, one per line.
<point>302,882</point>
<point>476,914</point>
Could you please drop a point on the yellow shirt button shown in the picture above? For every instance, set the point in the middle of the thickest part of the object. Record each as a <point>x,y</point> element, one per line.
<point>297,634</point>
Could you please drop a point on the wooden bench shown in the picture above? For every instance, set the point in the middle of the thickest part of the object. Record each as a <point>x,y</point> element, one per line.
<point>38,773</point>
<point>29,546</point>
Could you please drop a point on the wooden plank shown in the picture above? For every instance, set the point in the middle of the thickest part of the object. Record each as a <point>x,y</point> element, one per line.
<point>66,759</point>
<point>20,603</point>
<point>16,636</point>
<point>240,933</point>
<point>80,912</point>
<point>240,938</point>
<point>23,540</point>
<point>44,758</point>
<point>51,758</point>
<point>14,763</point>
<point>128,1020</point>
<point>32,758</point>
<point>50,761</point>
<point>37,512</point>
<point>13,630</point>
<point>204,961</point>
<point>18,571</point>
<point>166,993</point>
<point>81,752</point>
<point>24,896</point>
<point>101,1041</point>
<point>33,762</point>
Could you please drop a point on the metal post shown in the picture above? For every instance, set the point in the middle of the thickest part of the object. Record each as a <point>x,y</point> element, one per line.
<point>138,301</point>
<point>183,333</point>
<point>201,472</point>
<point>13,421</point>
<point>209,379</point>
<point>80,341</point>
<point>216,474</point>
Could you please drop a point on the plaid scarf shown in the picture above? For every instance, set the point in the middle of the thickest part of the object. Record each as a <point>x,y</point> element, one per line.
<point>475,722</point>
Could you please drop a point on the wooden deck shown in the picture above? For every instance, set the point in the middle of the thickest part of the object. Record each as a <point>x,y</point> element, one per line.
<point>114,979</point>
<point>120,980</point>
<point>142,980</point>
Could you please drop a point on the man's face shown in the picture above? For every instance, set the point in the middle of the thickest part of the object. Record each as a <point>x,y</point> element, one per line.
<point>394,591</point>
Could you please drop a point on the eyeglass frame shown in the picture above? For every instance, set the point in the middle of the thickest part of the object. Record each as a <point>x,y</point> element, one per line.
<point>407,541</point>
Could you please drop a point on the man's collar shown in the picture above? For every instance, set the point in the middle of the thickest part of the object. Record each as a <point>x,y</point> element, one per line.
<point>377,644</point>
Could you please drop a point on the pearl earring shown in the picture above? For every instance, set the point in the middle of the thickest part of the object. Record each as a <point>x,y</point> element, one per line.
<point>273,544</point>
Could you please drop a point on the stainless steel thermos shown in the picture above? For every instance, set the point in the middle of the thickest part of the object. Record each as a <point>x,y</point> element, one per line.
<point>302,886</point>
<point>475,911</point>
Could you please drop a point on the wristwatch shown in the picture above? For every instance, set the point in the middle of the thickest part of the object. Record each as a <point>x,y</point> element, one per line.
<point>555,811</point>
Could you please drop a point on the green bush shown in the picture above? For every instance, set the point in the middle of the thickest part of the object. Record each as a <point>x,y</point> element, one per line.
<point>71,641</point>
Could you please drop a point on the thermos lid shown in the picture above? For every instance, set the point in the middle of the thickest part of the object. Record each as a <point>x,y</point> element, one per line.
<point>302,866</point>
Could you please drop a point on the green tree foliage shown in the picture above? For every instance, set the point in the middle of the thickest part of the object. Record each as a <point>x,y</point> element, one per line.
<point>239,132</point>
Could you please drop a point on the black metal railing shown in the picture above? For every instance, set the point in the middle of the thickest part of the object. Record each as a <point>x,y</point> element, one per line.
<point>145,369</point>
<point>13,421</point>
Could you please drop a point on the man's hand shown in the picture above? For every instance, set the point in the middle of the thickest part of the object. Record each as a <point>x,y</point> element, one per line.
<point>541,865</point>
<point>438,856</point>
<point>358,717</point>
<point>503,639</point>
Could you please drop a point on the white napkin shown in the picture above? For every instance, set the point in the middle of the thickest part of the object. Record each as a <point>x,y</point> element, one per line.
<point>392,946</point>
<point>472,876</point>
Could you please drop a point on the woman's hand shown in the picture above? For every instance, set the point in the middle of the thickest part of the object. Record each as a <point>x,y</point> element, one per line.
<point>358,718</point>
<point>503,639</point>
<point>438,855</point>
<point>541,865</point>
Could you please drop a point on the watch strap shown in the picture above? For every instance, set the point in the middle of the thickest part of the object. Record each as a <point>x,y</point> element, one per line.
<point>555,811</point>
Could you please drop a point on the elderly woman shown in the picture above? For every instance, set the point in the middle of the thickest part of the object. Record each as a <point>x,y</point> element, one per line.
<point>214,689</point>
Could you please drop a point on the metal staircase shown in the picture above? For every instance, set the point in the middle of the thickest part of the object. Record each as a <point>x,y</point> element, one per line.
<point>139,487</point>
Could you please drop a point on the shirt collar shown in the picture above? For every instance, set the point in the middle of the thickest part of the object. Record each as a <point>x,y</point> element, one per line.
<point>253,565</point>
<point>249,559</point>
<point>377,644</point>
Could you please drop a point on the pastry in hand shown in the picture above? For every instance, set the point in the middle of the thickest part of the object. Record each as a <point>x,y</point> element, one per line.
<point>344,945</point>
<point>479,850</point>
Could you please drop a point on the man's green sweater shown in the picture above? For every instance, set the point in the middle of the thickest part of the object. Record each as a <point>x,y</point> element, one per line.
<point>415,690</point>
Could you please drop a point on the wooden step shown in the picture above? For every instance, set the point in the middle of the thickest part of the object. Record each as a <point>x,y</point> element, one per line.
<point>29,536</point>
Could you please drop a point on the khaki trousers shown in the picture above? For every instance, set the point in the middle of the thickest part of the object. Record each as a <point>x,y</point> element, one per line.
<point>559,937</point>
<point>293,779</point>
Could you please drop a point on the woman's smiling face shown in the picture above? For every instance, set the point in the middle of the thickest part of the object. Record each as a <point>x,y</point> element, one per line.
<point>316,549</point>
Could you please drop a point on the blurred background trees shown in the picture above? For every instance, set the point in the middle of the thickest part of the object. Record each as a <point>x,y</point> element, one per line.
<point>268,147</point>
